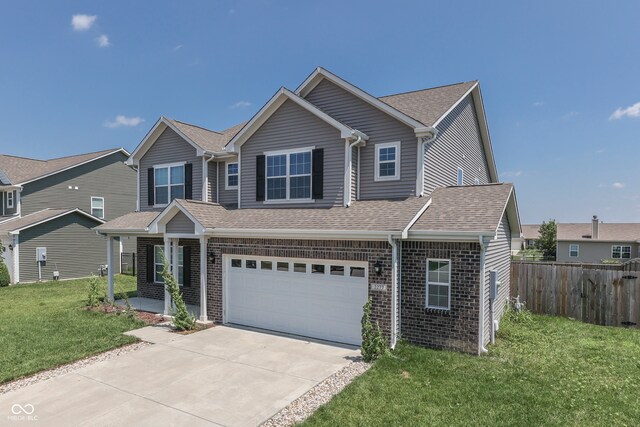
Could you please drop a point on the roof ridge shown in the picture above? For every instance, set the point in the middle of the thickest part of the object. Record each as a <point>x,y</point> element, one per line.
<point>425,89</point>
<point>195,126</point>
<point>22,157</point>
<point>84,154</point>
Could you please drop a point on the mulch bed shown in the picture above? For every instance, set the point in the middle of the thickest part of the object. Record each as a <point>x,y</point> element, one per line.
<point>147,317</point>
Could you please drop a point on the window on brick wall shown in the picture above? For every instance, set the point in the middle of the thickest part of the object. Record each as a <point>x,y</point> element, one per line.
<point>159,263</point>
<point>438,284</point>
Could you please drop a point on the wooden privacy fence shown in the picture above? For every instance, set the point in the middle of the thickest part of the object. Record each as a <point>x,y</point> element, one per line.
<point>601,297</point>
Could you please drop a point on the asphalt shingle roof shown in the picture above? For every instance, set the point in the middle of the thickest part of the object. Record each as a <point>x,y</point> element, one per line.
<point>531,231</point>
<point>621,232</point>
<point>207,139</point>
<point>34,218</point>
<point>133,221</point>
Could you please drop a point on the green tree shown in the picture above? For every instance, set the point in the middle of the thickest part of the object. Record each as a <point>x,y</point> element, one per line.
<point>182,319</point>
<point>548,239</point>
<point>374,344</point>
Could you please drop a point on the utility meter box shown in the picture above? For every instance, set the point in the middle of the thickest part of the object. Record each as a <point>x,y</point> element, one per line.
<point>494,284</point>
<point>41,254</point>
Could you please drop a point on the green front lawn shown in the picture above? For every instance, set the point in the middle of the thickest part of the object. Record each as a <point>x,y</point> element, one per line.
<point>43,325</point>
<point>543,371</point>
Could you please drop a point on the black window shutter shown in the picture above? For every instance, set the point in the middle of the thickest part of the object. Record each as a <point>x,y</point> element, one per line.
<point>186,262</point>
<point>260,178</point>
<point>151,267</point>
<point>188,181</point>
<point>150,187</point>
<point>317,173</point>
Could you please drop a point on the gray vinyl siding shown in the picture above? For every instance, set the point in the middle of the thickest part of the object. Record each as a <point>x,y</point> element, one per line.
<point>169,148</point>
<point>129,244</point>
<point>381,128</point>
<point>458,144</point>
<point>213,181</point>
<point>107,177</point>
<point>291,126</point>
<point>227,197</point>
<point>498,257</point>
<point>591,252</point>
<point>72,247</point>
<point>180,223</point>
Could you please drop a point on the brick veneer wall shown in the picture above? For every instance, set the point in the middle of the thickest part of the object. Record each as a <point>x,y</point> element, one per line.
<point>148,289</point>
<point>314,249</point>
<point>457,328</point>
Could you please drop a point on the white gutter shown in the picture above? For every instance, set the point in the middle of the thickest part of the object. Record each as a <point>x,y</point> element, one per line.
<point>394,291</point>
<point>311,234</point>
<point>483,250</point>
<point>405,232</point>
<point>425,136</point>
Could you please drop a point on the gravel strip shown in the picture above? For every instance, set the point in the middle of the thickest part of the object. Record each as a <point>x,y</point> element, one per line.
<point>303,407</point>
<point>64,369</point>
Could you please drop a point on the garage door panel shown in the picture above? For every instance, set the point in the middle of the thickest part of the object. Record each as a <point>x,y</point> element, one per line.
<point>320,306</point>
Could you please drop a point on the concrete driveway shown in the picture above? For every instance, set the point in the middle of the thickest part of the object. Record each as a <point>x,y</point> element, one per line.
<point>220,376</point>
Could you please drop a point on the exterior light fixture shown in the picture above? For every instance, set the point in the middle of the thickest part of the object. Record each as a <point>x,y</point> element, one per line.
<point>377,267</point>
<point>211,257</point>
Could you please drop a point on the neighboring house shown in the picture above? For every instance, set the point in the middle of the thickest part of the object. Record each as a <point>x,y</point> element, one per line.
<point>49,208</point>
<point>596,242</point>
<point>528,240</point>
<point>329,196</point>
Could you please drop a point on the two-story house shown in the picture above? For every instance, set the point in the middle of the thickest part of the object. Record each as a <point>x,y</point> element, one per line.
<point>48,209</point>
<point>326,197</point>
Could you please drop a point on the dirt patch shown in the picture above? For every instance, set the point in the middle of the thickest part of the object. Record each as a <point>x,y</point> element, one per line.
<point>116,310</point>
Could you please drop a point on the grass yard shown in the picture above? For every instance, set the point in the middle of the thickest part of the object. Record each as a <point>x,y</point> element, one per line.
<point>543,371</point>
<point>43,325</point>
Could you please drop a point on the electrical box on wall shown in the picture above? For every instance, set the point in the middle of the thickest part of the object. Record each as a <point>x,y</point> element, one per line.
<point>41,254</point>
<point>494,284</point>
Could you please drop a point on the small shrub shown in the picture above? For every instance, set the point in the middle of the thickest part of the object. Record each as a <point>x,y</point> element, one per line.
<point>374,345</point>
<point>522,316</point>
<point>95,292</point>
<point>5,279</point>
<point>182,319</point>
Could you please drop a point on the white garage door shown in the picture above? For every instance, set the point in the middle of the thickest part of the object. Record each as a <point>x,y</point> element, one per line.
<point>315,298</point>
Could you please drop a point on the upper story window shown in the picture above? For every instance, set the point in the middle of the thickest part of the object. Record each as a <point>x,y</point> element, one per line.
<point>476,181</point>
<point>10,202</point>
<point>288,175</point>
<point>97,207</point>
<point>574,250</point>
<point>387,161</point>
<point>439,284</point>
<point>620,252</point>
<point>460,177</point>
<point>169,183</point>
<point>231,181</point>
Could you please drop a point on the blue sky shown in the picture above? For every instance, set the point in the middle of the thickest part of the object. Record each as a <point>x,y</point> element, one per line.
<point>553,73</point>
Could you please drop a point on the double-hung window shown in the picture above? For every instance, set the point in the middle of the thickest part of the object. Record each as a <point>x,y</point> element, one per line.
<point>10,200</point>
<point>97,207</point>
<point>169,183</point>
<point>439,284</point>
<point>460,177</point>
<point>387,166</point>
<point>574,250</point>
<point>620,252</point>
<point>232,176</point>
<point>159,263</point>
<point>289,175</point>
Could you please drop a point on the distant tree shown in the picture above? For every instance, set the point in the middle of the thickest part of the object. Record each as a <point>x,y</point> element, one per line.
<point>548,239</point>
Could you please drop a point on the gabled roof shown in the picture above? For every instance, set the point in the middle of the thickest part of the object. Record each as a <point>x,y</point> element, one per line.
<point>22,170</point>
<point>16,225</point>
<point>279,98</point>
<point>531,231</point>
<point>133,222</point>
<point>206,139</point>
<point>607,232</point>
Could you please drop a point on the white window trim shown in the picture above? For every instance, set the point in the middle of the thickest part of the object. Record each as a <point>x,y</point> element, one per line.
<point>226,176</point>
<point>378,147</point>
<point>577,250</point>
<point>427,283</point>
<point>288,176</point>
<point>10,204</point>
<point>104,212</point>
<point>460,173</point>
<point>167,166</point>
<point>476,181</point>
<point>620,246</point>
<point>155,263</point>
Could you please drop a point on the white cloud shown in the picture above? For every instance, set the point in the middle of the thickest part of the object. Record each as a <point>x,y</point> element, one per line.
<point>511,174</point>
<point>241,104</point>
<point>121,120</point>
<point>617,185</point>
<point>632,111</point>
<point>570,115</point>
<point>600,151</point>
<point>82,22</point>
<point>178,47</point>
<point>538,104</point>
<point>103,41</point>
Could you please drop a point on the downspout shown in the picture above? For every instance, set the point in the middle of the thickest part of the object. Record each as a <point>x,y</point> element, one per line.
<point>347,169</point>
<point>209,178</point>
<point>394,291</point>
<point>483,250</point>
<point>433,133</point>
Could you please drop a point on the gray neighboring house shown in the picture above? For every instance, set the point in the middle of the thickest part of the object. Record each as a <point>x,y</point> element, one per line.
<point>53,205</point>
<point>529,238</point>
<point>326,197</point>
<point>596,241</point>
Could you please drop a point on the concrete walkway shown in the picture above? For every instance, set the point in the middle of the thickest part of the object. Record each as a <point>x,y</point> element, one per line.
<point>219,376</point>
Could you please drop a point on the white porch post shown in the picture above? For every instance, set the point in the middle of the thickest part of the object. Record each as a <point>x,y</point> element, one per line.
<point>110,282</point>
<point>167,256</point>
<point>203,278</point>
<point>174,260</point>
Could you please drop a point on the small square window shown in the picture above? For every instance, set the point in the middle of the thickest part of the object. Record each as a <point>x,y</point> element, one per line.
<point>283,266</point>
<point>387,157</point>
<point>266,265</point>
<point>317,269</point>
<point>357,271</point>
<point>337,270</point>
<point>251,263</point>
<point>299,267</point>
<point>236,263</point>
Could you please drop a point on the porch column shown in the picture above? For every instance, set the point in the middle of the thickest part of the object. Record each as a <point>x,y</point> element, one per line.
<point>110,282</point>
<point>203,278</point>
<point>167,256</point>
<point>174,260</point>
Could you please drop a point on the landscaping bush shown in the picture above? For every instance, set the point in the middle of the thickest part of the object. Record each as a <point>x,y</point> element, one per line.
<point>5,279</point>
<point>95,295</point>
<point>374,345</point>
<point>182,319</point>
